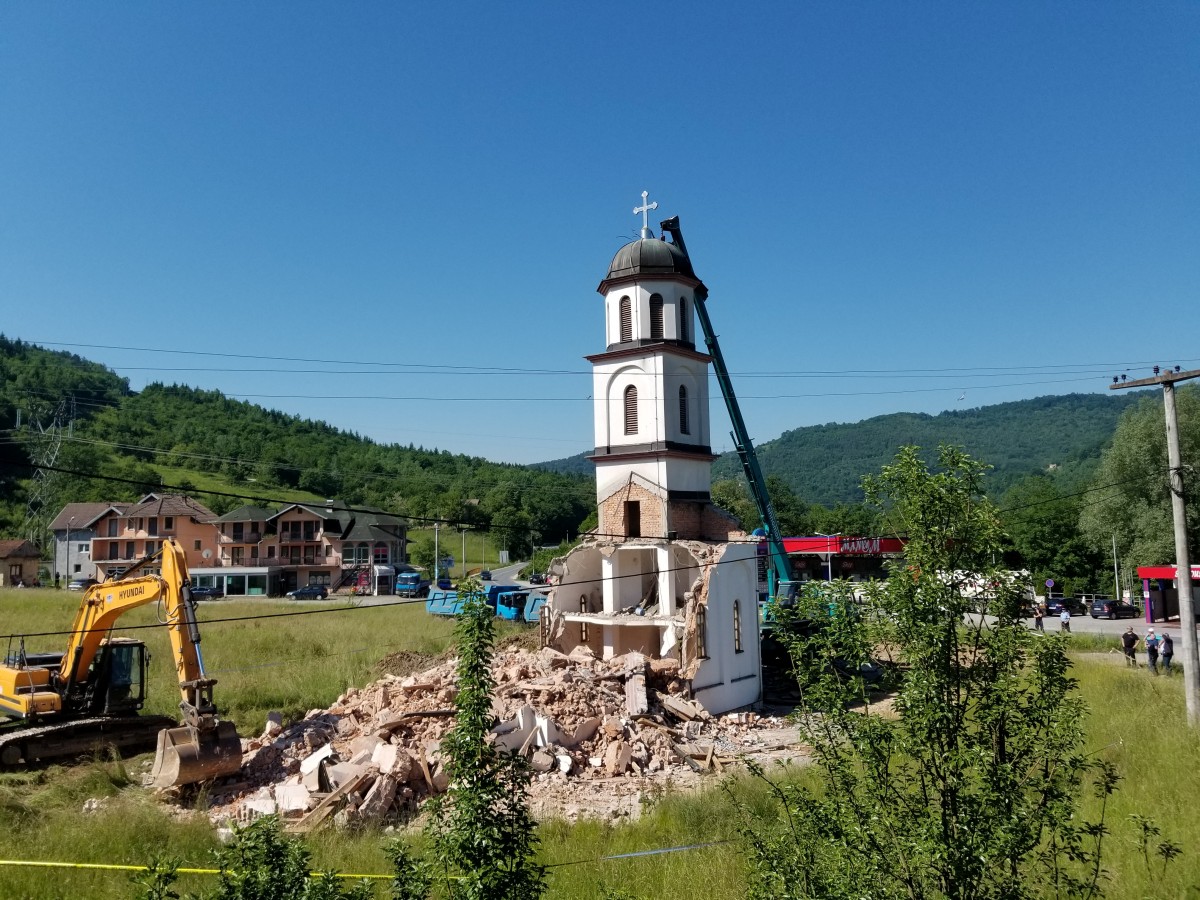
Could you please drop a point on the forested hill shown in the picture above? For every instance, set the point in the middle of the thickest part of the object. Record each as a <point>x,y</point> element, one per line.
<point>825,463</point>
<point>176,434</point>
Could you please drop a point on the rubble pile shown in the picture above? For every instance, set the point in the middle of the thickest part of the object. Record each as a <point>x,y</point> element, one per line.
<point>599,735</point>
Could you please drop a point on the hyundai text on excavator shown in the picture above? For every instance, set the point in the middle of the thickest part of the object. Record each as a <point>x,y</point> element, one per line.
<point>88,697</point>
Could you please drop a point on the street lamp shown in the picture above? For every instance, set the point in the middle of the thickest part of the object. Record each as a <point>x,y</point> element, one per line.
<point>67,574</point>
<point>464,555</point>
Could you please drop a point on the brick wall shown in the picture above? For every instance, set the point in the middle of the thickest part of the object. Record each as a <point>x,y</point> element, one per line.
<point>651,508</point>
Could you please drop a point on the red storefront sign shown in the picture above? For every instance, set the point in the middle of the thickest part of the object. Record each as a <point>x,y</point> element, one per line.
<point>844,545</point>
<point>1167,572</point>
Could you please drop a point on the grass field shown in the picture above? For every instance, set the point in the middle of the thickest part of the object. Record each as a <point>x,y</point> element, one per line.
<point>295,663</point>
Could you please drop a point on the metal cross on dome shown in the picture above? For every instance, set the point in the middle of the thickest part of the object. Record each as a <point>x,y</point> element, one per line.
<point>644,209</point>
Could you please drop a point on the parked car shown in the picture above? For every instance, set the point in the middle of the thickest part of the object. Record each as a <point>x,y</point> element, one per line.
<point>485,575</point>
<point>537,578</point>
<point>208,593</point>
<point>1108,608</point>
<point>310,592</point>
<point>81,584</point>
<point>1075,606</point>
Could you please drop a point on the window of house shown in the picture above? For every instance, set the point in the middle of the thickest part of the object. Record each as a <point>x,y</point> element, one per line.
<point>737,626</point>
<point>239,533</point>
<point>236,555</point>
<point>152,525</point>
<point>78,568</point>
<point>112,527</point>
<point>168,523</point>
<point>270,551</point>
<point>254,551</point>
<point>310,529</point>
<point>631,422</point>
<point>656,317</point>
<point>381,554</point>
<point>82,548</point>
<point>633,518</point>
<point>195,545</point>
<point>130,553</point>
<point>683,411</point>
<point>702,631</point>
<point>626,320</point>
<point>683,319</point>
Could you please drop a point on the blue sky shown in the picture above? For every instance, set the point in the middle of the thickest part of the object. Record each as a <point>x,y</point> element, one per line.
<point>393,217</point>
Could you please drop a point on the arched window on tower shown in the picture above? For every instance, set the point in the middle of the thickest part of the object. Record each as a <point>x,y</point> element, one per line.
<point>631,410</point>
<point>683,411</point>
<point>683,320</point>
<point>626,321</point>
<point>656,317</point>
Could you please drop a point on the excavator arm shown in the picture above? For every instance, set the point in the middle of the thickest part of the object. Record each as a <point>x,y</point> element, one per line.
<point>203,746</point>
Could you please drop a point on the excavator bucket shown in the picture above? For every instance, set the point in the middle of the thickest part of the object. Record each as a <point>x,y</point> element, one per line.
<point>187,755</point>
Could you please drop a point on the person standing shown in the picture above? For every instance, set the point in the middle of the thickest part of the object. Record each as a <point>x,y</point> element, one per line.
<point>1064,620</point>
<point>1129,642</point>
<point>1151,644</point>
<point>1038,615</point>
<point>1166,649</point>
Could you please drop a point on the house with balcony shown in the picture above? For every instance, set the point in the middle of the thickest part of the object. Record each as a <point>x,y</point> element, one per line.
<point>337,546</point>
<point>261,551</point>
<point>126,535</point>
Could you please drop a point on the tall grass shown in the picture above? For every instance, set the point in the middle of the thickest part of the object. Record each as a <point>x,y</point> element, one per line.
<point>293,664</point>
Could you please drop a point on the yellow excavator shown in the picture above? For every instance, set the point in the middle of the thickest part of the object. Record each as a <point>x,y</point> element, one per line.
<point>76,702</point>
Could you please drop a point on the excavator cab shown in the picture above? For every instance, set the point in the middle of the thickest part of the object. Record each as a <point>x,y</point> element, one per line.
<point>117,685</point>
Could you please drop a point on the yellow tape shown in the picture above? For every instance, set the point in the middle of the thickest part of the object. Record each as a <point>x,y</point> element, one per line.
<point>46,864</point>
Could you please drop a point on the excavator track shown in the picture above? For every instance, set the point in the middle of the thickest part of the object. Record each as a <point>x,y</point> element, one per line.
<point>27,746</point>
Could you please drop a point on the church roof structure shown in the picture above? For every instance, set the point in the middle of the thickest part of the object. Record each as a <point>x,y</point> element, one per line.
<point>648,256</point>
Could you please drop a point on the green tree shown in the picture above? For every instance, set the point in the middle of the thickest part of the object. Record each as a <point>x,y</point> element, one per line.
<point>1131,498</point>
<point>972,789</point>
<point>483,835</point>
<point>1044,528</point>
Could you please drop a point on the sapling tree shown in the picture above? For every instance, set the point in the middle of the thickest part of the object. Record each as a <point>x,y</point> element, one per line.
<point>968,783</point>
<point>484,837</point>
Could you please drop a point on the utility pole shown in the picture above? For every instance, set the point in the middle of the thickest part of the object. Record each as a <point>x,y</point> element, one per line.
<point>1183,570</point>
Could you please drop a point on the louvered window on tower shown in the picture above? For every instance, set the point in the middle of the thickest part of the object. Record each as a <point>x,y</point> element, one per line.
<point>683,319</point>
<point>656,317</point>
<point>626,321</point>
<point>683,412</point>
<point>631,425</point>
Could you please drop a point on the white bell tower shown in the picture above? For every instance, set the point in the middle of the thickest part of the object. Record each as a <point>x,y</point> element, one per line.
<point>653,455</point>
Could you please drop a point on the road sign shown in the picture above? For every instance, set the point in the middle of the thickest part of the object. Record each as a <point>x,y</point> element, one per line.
<point>1049,582</point>
<point>447,562</point>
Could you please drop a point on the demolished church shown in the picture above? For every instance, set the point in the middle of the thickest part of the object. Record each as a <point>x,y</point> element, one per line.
<point>666,573</point>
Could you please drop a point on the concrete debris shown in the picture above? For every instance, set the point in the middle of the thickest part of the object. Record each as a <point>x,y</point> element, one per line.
<point>601,737</point>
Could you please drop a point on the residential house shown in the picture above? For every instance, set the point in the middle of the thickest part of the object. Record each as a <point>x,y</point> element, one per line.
<point>260,551</point>
<point>19,563</point>
<point>334,545</point>
<point>124,537</point>
<point>73,529</point>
